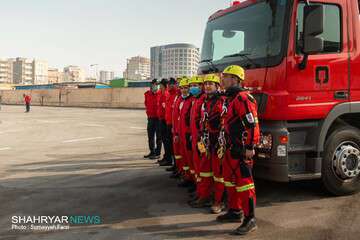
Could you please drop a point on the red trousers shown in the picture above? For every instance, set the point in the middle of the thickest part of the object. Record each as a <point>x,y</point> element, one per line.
<point>190,157</point>
<point>211,177</point>
<point>239,184</point>
<point>196,158</point>
<point>178,154</point>
<point>186,155</point>
<point>204,186</point>
<point>217,168</point>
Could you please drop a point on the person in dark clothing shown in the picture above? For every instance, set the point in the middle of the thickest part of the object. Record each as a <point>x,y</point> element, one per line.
<point>27,100</point>
<point>153,131</point>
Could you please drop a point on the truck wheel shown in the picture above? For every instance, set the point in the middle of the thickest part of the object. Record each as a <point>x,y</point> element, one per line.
<point>341,161</point>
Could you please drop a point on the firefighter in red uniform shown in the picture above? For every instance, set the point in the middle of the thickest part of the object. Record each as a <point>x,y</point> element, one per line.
<point>197,91</point>
<point>153,122</point>
<point>163,94</point>
<point>184,92</point>
<point>211,177</point>
<point>169,105</point>
<point>175,131</point>
<point>239,134</point>
<point>185,134</point>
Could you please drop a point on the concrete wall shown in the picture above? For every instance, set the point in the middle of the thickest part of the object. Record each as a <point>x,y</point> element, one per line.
<point>109,98</point>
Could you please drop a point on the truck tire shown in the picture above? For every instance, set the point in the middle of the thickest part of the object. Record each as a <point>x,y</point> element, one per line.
<point>341,161</point>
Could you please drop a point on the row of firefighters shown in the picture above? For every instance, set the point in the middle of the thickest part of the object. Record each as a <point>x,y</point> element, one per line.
<point>209,128</point>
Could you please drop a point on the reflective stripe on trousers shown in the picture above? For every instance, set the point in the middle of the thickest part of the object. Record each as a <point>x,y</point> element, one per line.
<point>229,184</point>
<point>219,180</point>
<point>206,174</point>
<point>245,187</point>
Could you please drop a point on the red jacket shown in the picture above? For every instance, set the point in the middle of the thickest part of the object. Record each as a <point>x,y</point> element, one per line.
<point>27,99</point>
<point>176,116</point>
<point>241,122</point>
<point>161,104</point>
<point>184,125</point>
<point>212,106</point>
<point>169,105</point>
<point>151,103</point>
<point>195,118</point>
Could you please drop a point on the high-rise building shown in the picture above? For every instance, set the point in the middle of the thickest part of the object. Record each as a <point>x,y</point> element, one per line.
<point>106,76</point>
<point>23,71</point>
<point>74,74</point>
<point>6,72</point>
<point>28,71</point>
<point>40,72</point>
<point>55,76</point>
<point>138,68</point>
<point>156,62</point>
<point>174,60</point>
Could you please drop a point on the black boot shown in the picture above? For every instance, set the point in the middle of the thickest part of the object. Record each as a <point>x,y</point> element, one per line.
<point>231,216</point>
<point>192,195</point>
<point>184,183</point>
<point>154,156</point>
<point>149,155</point>
<point>166,163</point>
<point>193,199</point>
<point>248,225</point>
<point>175,175</point>
<point>161,160</point>
<point>192,188</point>
<point>171,169</point>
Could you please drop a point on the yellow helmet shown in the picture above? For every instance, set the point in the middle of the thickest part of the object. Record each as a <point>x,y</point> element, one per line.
<point>184,82</point>
<point>196,79</point>
<point>212,78</point>
<point>235,70</point>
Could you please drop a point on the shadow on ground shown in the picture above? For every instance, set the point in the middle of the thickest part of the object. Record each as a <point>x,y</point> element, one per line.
<point>133,192</point>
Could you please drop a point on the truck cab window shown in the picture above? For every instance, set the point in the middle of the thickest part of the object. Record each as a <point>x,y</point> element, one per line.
<point>226,45</point>
<point>332,28</point>
<point>256,31</point>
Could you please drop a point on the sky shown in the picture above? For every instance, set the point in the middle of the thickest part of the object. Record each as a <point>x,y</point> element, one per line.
<point>103,32</point>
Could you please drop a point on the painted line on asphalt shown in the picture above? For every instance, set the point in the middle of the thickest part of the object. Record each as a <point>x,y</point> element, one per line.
<point>92,125</point>
<point>10,131</point>
<point>82,139</point>
<point>138,128</point>
<point>49,121</point>
<point>5,148</point>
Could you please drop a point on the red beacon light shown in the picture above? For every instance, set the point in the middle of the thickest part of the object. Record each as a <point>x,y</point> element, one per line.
<point>234,3</point>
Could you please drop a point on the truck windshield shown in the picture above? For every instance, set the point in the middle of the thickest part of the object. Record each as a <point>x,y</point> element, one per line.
<point>252,35</point>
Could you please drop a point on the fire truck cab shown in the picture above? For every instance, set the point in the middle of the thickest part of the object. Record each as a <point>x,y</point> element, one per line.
<point>302,61</point>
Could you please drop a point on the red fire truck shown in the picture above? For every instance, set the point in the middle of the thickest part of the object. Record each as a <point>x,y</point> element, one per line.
<point>302,61</point>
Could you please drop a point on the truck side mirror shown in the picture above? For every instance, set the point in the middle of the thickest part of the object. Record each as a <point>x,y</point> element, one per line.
<point>313,22</point>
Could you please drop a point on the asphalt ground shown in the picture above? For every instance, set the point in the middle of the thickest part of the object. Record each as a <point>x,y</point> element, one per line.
<point>88,162</point>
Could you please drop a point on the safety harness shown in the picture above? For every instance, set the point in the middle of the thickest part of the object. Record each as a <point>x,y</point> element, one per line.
<point>204,143</point>
<point>223,143</point>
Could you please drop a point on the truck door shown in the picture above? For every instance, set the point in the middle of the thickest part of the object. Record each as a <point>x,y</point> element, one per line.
<point>324,82</point>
